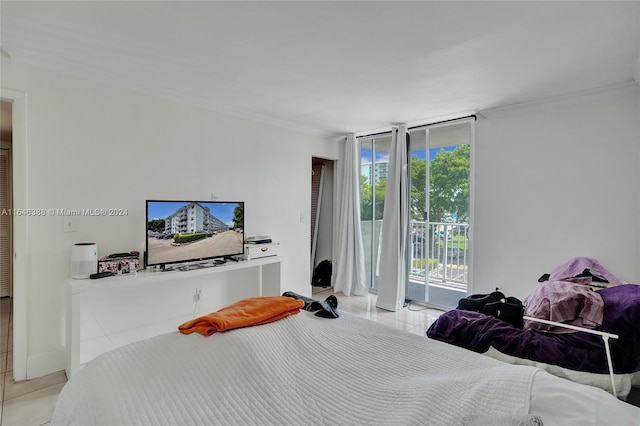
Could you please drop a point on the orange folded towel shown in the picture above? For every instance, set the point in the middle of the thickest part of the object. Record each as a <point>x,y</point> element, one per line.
<point>252,311</point>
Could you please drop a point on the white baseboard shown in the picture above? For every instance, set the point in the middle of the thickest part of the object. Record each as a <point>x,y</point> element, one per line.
<point>41,364</point>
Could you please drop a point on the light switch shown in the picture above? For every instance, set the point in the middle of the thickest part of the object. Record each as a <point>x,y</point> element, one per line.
<point>69,224</point>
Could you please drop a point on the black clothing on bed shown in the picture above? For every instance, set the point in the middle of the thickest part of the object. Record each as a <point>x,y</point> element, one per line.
<point>326,309</point>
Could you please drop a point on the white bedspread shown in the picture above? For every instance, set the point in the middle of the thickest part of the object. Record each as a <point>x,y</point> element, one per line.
<point>298,370</point>
<point>623,382</point>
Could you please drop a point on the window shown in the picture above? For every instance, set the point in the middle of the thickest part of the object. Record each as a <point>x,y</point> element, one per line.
<point>440,164</point>
<point>374,165</point>
<point>440,214</point>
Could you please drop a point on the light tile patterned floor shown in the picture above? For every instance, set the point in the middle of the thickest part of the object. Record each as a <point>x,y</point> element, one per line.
<point>31,402</point>
<point>414,318</point>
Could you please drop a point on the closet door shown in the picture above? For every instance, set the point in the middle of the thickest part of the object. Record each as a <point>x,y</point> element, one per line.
<point>316,187</point>
<point>5,223</point>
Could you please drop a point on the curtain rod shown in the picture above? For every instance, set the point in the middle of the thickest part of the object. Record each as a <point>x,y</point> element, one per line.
<point>443,121</point>
<point>420,126</point>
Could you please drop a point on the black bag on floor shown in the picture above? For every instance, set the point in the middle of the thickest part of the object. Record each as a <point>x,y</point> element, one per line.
<point>508,309</point>
<point>322,274</point>
<point>476,302</point>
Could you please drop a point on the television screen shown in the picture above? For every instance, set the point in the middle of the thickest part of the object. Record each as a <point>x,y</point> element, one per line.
<point>186,231</point>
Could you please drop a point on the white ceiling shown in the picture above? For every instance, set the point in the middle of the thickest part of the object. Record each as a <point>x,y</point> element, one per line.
<point>333,67</point>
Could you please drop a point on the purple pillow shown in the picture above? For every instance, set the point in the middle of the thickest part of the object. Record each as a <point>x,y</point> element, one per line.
<point>622,317</point>
<point>621,310</point>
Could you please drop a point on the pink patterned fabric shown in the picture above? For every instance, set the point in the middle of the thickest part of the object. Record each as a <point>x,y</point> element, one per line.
<point>565,302</point>
<point>579,270</point>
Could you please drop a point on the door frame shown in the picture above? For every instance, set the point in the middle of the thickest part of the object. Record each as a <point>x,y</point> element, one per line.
<point>20,232</point>
<point>334,214</point>
<point>5,149</point>
<point>472,129</point>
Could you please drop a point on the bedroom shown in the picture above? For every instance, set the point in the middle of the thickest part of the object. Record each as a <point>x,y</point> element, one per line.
<point>91,143</point>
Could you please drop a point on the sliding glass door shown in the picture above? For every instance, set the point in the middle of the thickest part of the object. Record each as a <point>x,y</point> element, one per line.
<point>440,214</point>
<point>374,164</point>
<point>439,268</point>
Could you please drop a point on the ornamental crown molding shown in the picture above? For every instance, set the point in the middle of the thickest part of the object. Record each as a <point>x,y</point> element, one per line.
<point>568,99</point>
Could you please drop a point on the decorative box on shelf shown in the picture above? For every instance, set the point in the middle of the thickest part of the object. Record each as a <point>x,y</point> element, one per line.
<point>122,264</point>
<point>256,251</point>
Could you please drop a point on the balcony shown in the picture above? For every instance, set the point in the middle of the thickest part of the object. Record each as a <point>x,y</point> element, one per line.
<point>440,254</point>
<point>439,262</point>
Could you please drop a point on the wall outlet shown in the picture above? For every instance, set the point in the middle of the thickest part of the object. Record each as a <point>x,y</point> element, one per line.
<point>197,295</point>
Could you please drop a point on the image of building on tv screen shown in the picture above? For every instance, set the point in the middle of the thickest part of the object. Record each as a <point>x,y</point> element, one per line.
<point>189,231</point>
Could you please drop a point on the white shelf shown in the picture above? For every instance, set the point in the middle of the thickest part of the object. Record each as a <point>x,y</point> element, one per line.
<point>147,276</point>
<point>137,305</point>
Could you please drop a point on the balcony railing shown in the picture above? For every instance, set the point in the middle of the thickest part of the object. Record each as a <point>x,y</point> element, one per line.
<point>440,253</point>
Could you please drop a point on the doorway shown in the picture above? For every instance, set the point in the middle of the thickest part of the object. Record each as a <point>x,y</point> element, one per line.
<point>20,248</point>
<point>6,223</point>
<point>441,215</point>
<point>322,220</point>
<point>374,168</point>
<point>6,234</point>
<point>440,212</point>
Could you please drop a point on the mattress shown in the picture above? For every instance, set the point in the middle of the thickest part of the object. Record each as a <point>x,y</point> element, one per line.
<point>623,382</point>
<point>309,370</point>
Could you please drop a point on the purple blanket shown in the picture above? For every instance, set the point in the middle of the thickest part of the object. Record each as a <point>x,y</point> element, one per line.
<point>581,270</point>
<point>565,302</point>
<point>576,351</point>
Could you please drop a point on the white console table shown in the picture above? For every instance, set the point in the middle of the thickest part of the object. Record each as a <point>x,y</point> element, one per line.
<point>150,297</point>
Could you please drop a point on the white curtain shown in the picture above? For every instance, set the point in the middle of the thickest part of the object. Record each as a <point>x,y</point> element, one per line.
<point>351,275</point>
<point>395,223</point>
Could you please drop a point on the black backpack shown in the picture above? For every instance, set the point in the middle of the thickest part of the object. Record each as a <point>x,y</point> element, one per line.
<point>508,309</point>
<point>322,274</point>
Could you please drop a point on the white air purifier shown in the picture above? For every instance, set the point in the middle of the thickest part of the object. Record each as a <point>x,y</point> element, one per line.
<point>84,260</point>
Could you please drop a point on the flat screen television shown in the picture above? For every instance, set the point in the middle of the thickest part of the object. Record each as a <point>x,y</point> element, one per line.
<point>193,231</point>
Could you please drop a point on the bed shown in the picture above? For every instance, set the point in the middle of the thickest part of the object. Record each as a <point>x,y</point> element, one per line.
<point>578,356</point>
<point>304,369</point>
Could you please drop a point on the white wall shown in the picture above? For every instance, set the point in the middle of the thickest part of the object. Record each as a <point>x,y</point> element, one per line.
<point>553,181</point>
<point>95,146</point>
